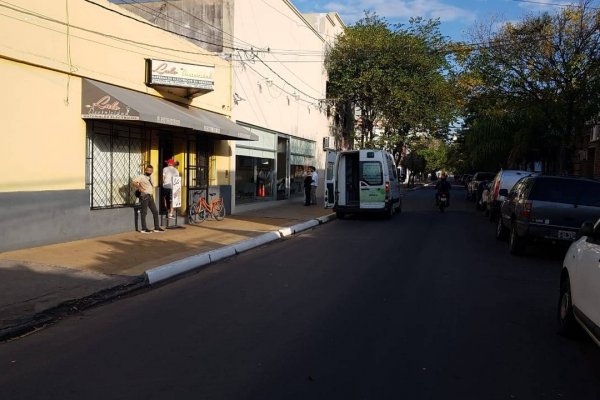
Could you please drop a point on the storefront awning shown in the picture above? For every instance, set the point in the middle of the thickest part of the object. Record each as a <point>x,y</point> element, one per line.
<point>103,101</point>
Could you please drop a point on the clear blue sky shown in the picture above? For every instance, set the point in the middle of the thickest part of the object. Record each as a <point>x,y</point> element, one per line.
<point>457,16</point>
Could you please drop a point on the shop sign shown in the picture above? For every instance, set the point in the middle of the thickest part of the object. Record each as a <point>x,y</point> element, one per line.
<point>107,107</point>
<point>168,73</point>
<point>176,199</point>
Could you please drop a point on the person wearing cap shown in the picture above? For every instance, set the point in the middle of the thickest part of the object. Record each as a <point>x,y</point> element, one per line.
<point>169,172</point>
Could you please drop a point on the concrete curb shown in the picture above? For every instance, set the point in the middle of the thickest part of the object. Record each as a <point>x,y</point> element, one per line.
<point>69,307</point>
<point>167,271</point>
<point>152,276</point>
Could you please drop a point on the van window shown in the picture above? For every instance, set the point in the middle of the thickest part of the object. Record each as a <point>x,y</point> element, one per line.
<point>371,172</point>
<point>391,168</point>
<point>330,166</point>
<point>569,191</point>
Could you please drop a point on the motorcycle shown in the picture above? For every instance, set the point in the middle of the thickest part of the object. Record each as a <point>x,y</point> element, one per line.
<point>442,200</point>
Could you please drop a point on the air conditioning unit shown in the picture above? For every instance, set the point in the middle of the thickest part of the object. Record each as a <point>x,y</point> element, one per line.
<point>595,133</point>
<point>328,143</point>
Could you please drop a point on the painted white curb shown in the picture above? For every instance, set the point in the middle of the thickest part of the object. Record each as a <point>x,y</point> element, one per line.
<point>177,267</point>
<point>266,238</point>
<point>326,218</point>
<point>305,225</point>
<point>170,270</point>
<point>286,231</point>
<point>245,245</point>
<point>223,252</point>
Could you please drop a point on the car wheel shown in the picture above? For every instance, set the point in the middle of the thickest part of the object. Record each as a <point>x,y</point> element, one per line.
<point>340,215</point>
<point>501,231</point>
<point>566,320</point>
<point>516,244</point>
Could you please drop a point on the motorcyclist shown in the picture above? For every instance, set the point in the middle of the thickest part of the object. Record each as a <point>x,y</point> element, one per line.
<point>443,186</point>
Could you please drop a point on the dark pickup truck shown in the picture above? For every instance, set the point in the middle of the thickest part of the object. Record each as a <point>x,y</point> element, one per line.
<point>547,208</point>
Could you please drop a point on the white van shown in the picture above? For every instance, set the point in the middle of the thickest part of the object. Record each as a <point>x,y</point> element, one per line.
<point>359,181</point>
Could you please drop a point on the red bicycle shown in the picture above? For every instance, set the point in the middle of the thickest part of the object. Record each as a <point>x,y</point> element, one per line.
<point>202,210</point>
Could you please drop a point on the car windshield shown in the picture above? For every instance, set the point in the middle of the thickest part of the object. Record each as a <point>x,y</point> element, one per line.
<point>569,191</point>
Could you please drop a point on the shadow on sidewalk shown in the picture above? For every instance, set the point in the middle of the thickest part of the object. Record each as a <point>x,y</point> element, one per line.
<point>27,289</point>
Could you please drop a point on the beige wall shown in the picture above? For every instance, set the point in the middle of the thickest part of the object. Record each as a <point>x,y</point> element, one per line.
<point>277,25</point>
<point>44,134</point>
<point>42,144</point>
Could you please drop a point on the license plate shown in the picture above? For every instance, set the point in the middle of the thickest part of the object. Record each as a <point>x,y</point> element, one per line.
<point>566,235</point>
<point>443,198</point>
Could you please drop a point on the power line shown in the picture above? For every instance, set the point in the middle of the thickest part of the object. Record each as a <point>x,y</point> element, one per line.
<point>553,4</point>
<point>118,38</point>
<point>179,23</point>
<point>209,24</point>
<point>164,29</point>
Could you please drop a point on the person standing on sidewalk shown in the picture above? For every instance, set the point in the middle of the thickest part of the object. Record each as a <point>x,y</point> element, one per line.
<point>313,186</point>
<point>143,183</point>
<point>307,187</point>
<point>169,172</point>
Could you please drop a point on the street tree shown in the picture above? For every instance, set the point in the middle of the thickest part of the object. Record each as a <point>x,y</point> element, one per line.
<point>533,84</point>
<point>397,76</point>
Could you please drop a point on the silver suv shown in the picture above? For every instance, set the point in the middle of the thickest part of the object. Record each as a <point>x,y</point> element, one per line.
<point>546,208</point>
<point>505,179</point>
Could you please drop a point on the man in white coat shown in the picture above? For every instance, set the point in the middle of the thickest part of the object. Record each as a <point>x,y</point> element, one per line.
<point>169,172</point>
<point>313,186</point>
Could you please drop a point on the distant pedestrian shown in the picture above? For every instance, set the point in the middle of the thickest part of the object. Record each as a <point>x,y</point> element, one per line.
<point>313,186</point>
<point>307,188</point>
<point>144,184</point>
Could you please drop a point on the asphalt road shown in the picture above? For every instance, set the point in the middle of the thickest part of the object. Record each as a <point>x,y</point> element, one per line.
<point>424,306</point>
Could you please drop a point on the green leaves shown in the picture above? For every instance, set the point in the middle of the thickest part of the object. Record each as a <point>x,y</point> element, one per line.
<point>398,76</point>
<point>546,70</point>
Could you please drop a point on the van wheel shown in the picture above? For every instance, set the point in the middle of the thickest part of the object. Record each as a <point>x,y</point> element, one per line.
<point>516,244</point>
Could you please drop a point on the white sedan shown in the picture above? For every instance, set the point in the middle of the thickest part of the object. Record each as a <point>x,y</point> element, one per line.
<point>580,284</point>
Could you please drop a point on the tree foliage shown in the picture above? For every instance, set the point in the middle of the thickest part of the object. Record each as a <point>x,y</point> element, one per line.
<point>398,77</point>
<point>532,86</point>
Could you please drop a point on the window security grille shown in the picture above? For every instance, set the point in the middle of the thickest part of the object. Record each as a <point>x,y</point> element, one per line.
<point>114,158</point>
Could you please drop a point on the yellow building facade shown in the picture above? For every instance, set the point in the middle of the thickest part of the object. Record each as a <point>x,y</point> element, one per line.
<point>91,94</point>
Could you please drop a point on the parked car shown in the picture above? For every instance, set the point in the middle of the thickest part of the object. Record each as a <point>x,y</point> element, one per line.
<point>579,299</point>
<point>483,192</point>
<point>474,184</point>
<point>505,179</point>
<point>546,208</point>
<point>466,179</point>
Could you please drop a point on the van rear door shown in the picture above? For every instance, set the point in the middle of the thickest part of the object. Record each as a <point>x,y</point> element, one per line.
<point>393,178</point>
<point>330,178</point>
<point>372,187</point>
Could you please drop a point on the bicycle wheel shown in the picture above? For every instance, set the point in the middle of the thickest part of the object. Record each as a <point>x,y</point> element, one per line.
<point>196,214</point>
<point>219,211</point>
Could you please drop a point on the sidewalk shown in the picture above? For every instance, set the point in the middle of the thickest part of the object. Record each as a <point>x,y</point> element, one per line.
<point>38,285</point>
